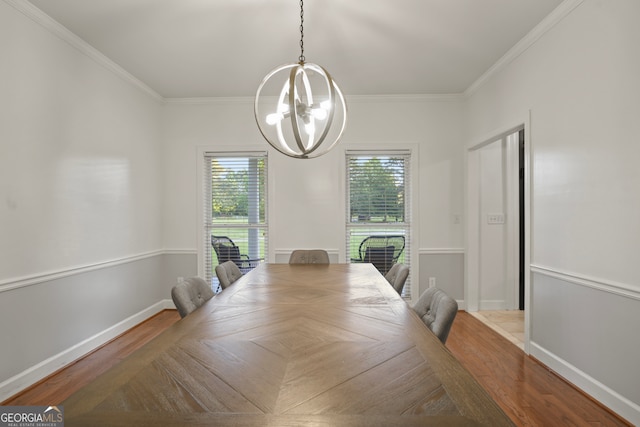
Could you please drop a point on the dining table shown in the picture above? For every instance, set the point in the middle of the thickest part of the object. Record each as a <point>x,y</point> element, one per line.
<point>291,345</point>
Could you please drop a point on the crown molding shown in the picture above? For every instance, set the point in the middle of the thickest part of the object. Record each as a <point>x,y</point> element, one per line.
<point>349,99</point>
<point>406,97</point>
<point>222,100</point>
<point>558,14</point>
<point>57,29</point>
<point>35,14</point>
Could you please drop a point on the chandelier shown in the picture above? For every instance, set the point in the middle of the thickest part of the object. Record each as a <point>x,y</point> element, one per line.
<point>299,108</point>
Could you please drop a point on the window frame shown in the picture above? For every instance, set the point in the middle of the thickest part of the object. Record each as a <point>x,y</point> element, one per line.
<point>204,243</point>
<point>411,150</point>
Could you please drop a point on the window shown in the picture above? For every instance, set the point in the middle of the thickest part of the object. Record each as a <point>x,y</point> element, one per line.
<point>378,209</point>
<point>235,210</point>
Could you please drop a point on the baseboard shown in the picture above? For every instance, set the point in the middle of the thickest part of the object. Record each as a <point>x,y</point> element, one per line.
<point>492,305</point>
<point>598,391</point>
<point>36,373</point>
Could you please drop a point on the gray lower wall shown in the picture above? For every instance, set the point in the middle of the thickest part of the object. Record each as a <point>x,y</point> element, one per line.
<point>598,336</point>
<point>42,320</point>
<point>447,269</point>
<point>176,265</point>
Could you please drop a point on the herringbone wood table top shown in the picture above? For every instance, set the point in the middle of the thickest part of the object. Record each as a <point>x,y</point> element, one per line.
<point>291,345</point>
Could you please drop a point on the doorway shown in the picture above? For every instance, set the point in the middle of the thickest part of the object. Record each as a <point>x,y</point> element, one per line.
<point>521,218</point>
<point>497,224</point>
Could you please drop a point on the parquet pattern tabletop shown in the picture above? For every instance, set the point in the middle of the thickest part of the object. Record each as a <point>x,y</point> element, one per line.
<point>291,345</point>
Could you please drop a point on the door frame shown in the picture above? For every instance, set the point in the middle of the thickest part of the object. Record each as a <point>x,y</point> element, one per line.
<point>472,223</point>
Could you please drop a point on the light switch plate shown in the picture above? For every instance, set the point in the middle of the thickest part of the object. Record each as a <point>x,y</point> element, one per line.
<point>495,218</point>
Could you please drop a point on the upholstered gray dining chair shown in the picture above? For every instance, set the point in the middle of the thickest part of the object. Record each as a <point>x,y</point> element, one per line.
<point>309,256</point>
<point>397,276</point>
<point>437,310</point>
<point>227,272</point>
<point>190,294</point>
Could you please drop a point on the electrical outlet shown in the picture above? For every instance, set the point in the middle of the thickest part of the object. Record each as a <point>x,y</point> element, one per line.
<point>432,282</point>
<point>180,279</point>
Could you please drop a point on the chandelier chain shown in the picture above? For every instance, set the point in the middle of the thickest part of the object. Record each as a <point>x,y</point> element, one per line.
<point>301,57</point>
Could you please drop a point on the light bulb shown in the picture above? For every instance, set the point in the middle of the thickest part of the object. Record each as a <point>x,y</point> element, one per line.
<point>319,113</point>
<point>310,128</point>
<point>273,118</point>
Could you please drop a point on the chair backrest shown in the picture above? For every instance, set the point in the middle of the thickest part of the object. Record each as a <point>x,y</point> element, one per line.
<point>437,310</point>
<point>381,258</point>
<point>397,276</point>
<point>225,249</point>
<point>227,272</point>
<point>382,251</point>
<point>309,256</point>
<point>190,294</point>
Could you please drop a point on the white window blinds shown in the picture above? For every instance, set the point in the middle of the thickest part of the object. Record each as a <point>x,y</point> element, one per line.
<point>235,210</point>
<point>378,208</point>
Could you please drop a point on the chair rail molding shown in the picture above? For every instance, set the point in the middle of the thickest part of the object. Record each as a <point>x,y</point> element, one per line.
<point>440,251</point>
<point>34,279</point>
<point>609,286</point>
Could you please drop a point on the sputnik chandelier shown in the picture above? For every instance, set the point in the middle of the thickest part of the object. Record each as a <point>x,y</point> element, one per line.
<point>298,107</point>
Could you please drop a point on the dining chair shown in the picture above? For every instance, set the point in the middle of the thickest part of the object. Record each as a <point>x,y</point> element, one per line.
<point>381,250</point>
<point>227,272</point>
<point>397,276</point>
<point>309,256</point>
<point>227,250</point>
<point>190,294</point>
<point>437,310</point>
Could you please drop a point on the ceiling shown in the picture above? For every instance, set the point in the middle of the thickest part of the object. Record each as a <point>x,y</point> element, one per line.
<point>223,48</point>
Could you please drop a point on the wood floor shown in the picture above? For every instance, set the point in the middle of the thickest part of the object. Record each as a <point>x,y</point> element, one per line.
<point>529,394</point>
<point>56,388</point>
<point>507,323</point>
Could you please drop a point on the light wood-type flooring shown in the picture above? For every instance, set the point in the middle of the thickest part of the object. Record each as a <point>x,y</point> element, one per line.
<point>529,393</point>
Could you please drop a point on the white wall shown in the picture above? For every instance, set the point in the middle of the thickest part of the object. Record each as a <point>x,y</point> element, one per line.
<point>80,199</point>
<point>79,173</point>
<point>307,197</point>
<point>492,236</point>
<point>580,83</point>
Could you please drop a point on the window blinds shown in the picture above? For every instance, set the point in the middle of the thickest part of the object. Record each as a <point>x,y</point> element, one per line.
<point>235,187</point>
<point>378,203</point>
